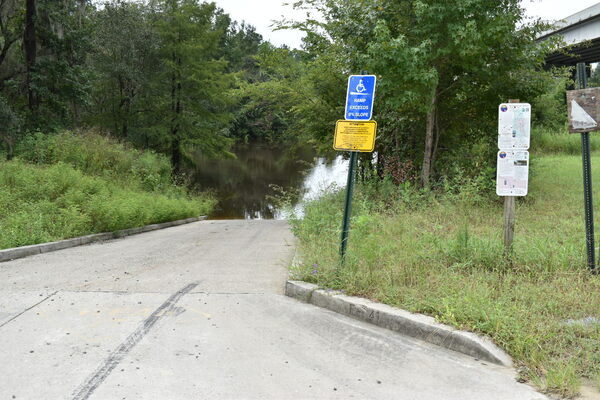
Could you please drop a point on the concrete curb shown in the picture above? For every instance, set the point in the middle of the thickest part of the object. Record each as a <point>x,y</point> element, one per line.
<point>414,325</point>
<point>25,251</point>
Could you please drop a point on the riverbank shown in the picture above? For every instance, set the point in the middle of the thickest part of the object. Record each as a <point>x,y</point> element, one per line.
<point>65,185</point>
<point>442,256</point>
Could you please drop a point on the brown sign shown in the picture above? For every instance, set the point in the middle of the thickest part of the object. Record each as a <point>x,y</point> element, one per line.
<point>584,110</point>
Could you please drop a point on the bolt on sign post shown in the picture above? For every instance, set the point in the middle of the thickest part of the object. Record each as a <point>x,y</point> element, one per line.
<point>512,176</point>
<point>356,134</point>
<point>584,114</point>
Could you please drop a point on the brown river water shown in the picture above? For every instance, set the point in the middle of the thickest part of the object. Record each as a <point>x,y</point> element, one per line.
<point>245,186</point>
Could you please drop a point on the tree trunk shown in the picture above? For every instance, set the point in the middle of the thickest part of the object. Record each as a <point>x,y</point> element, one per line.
<point>175,156</point>
<point>176,89</point>
<point>175,100</point>
<point>380,165</point>
<point>30,47</point>
<point>178,113</point>
<point>9,150</point>
<point>437,138</point>
<point>125,130</point>
<point>429,136</point>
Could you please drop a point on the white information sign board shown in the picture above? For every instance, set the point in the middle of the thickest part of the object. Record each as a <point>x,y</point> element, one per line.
<point>512,178</point>
<point>514,126</point>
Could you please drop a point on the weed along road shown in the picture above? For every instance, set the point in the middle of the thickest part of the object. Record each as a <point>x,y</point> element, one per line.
<point>198,312</point>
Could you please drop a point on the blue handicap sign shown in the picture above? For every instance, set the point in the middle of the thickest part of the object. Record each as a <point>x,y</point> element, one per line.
<point>361,94</point>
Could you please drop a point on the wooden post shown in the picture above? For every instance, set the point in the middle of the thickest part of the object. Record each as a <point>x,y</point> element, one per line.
<point>509,216</point>
<point>509,223</point>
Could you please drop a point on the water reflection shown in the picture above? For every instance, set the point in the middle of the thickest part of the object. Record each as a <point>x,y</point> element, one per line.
<point>324,176</point>
<point>244,185</point>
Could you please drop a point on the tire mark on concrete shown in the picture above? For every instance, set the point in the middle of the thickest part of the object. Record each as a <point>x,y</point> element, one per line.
<point>106,367</point>
<point>27,309</point>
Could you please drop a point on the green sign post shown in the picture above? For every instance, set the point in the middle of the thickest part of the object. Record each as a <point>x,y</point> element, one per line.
<point>355,134</point>
<point>348,204</point>
<point>584,115</point>
<point>587,180</point>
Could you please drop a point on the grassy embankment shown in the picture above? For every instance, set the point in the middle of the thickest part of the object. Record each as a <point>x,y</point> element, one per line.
<point>69,185</point>
<point>441,255</point>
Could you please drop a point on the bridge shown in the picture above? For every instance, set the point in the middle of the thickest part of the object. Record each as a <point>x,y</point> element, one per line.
<point>582,32</point>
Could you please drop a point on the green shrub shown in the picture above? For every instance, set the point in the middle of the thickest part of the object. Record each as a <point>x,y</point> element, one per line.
<point>98,155</point>
<point>47,203</point>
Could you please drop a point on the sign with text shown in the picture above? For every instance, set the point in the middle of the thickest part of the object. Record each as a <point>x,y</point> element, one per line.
<point>360,97</point>
<point>514,126</point>
<point>355,136</point>
<point>584,110</point>
<point>512,177</point>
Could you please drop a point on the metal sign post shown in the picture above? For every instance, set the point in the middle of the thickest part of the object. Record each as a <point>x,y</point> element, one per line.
<point>348,204</point>
<point>355,134</point>
<point>581,119</point>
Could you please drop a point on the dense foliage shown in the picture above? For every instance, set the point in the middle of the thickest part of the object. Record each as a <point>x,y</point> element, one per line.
<point>70,185</point>
<point>168,75</point>
<point>180,77</point>
<point>443,68</point>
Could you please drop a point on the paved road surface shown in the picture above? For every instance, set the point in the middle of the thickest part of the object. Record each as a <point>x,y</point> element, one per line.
<point>197,312</point>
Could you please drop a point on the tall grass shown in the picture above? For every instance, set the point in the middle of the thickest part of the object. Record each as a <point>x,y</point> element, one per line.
<point>69,185</point>
<point>99,155</point>
<point>552,141</point>
<point>442,255</point>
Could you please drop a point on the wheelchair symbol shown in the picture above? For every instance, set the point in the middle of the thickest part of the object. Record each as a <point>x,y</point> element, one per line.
<point>360,88</point>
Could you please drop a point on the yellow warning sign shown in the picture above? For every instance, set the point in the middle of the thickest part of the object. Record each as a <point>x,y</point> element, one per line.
<point>355,136</point>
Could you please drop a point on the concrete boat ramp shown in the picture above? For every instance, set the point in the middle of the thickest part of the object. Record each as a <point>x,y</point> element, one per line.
<point>198,312</point>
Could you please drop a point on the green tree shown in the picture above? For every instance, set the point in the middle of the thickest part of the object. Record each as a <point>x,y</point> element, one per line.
<point>123,61</point>
<point>265,110</point>
<point>190,91</point>
<point>61,76</point>
<point>12,14</point>
<point>443,69</point>
<point>240,47</point>
<point>43,48</point>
